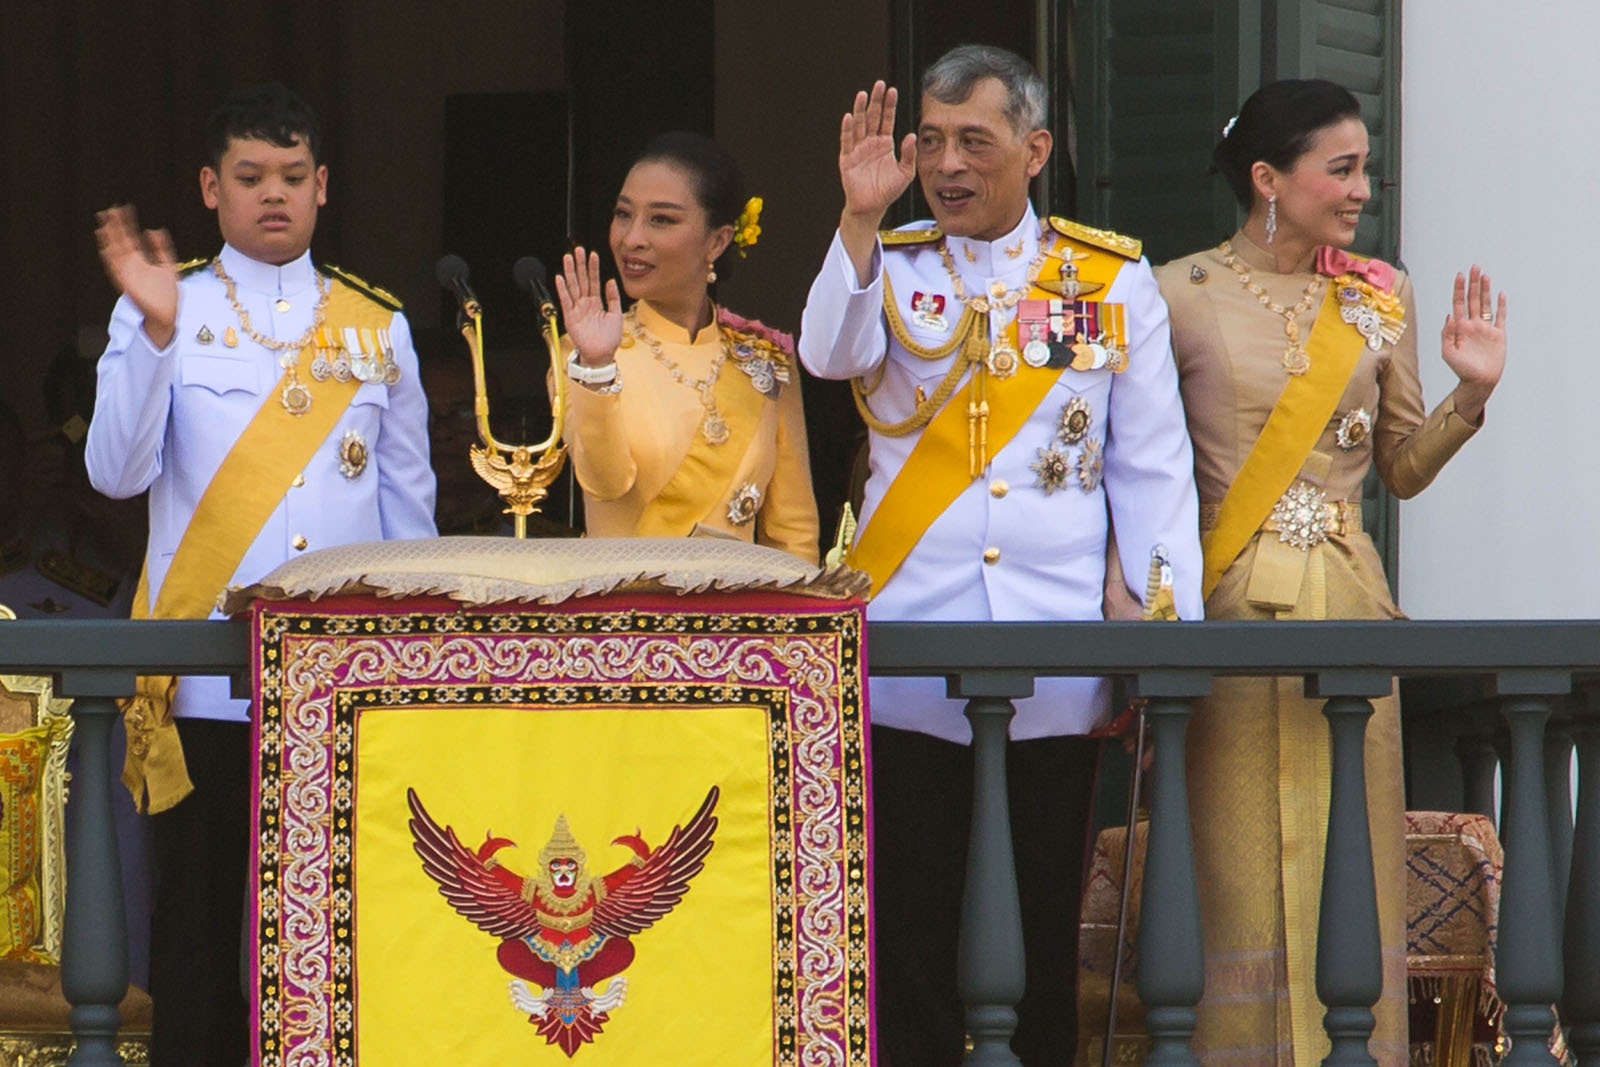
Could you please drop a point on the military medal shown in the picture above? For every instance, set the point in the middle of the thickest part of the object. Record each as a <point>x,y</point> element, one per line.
<point>1002,359</point>
<point>1074,420</point>
<point>1091,464</point>
<point>1353,429</point>
<point>761,369</point>
<point>296,399</point>
<point>927,311</point>
<point>1053,469</point>
<point>204,336</point>
<point>1036,353</point>
<point>352,454</point>
<point>1354,310</point>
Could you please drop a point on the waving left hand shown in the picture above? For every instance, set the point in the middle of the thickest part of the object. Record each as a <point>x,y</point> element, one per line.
<point>1474,335</point>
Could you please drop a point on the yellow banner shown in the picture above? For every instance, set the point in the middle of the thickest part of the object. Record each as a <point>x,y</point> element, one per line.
<point>1296,422</point>
<point>241,496</point>
<point>700,977</point>
<point>936,472</point>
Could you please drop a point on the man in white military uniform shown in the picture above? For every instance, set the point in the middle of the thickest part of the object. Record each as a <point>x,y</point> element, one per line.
<point>1019,386</point>
<point>269,408</point>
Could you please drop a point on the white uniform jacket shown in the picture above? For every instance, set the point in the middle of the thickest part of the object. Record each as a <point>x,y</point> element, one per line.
<point>165,419</point>
<point>1047,549</point>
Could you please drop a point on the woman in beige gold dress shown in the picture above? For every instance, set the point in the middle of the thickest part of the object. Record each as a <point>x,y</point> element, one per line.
<point>1298,364</point>
<point>682,417</point>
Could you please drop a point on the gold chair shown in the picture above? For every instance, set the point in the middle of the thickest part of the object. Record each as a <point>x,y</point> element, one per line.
<point>35,733</point>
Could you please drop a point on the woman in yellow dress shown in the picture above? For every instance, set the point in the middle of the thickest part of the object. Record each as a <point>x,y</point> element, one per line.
<point>683,418</point>
<point>1298,364</point>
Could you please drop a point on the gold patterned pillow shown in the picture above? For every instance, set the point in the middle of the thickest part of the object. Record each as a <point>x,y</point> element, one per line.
<point>22,760</point>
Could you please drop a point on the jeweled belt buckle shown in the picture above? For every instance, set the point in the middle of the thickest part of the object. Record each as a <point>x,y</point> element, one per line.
<point>1301,516</point>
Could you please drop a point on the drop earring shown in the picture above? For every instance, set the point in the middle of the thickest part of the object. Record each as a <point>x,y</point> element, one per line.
<point>711,273</point>
<point>1272,218</point>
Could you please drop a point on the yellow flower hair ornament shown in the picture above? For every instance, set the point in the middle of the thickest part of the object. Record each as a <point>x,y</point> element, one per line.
<point>747,228</point>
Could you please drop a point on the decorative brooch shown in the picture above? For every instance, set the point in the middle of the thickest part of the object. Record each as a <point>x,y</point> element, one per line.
<point>1074,420</point>
<point>352,454</point>
<point>1300,517</point>
<point>1053,469</point>
<point>746,501</point>
<point>1091,465</point>
<point>1353,429</point>
<point>1375,313</point>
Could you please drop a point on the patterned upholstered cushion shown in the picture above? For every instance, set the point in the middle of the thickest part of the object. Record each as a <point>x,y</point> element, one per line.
<point>22,760</point>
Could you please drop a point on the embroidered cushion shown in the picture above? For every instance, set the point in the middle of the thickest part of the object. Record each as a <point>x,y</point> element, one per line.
<point>22,760</point>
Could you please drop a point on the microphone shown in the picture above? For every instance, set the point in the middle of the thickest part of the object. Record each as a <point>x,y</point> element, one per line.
<point>530,275</point>
<point>452,273</point>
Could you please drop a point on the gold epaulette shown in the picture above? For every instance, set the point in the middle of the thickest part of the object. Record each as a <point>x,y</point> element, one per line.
<point>909,237</point>
<point>1126,247</point>
<point>361,285</point>
<point>189,266</point>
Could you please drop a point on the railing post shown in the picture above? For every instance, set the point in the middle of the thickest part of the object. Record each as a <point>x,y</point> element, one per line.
<point>1479,760</point>
<point>1527,958</point>
<point>1558,807</point>
<point>1349,946</point>
<point>1171,974</point>
<point>990,966</point>
<point>94,950</point>
<point>1582,1003</point>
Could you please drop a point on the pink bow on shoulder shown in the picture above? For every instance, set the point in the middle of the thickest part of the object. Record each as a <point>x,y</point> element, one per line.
<point>1336,261</point>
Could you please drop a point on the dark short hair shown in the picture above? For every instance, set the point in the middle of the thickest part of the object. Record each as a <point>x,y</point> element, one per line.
<point>267,112</point>
<point>954,75</point>
<point>713,175</point>
<point>1276,126</point>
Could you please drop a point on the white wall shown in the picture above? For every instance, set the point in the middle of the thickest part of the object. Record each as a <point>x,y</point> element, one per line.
<point>1501,158</point>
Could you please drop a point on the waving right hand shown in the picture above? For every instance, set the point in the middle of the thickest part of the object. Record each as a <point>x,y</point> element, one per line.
<point>142,267</point>
<point>872,176</point>
<point>594,323</point>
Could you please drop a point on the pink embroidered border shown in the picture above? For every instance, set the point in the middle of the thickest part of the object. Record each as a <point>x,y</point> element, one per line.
<point>316,665</point>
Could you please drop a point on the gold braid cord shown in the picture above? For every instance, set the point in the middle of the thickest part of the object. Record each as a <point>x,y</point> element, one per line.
<point>971,330</point>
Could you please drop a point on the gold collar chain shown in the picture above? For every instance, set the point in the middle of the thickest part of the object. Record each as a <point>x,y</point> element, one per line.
<point>713,427</point>
<point>995,301</point>
<point>296,398</point>
<point>1296,360</point>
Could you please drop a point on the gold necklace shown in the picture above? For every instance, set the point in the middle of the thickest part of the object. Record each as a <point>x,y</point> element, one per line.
<point>713,427</point>
<point>1296,360</point>
<point>296,398</point>
<point>995,301</point>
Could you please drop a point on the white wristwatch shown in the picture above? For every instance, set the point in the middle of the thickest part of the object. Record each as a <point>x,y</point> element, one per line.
<point>591,375</point>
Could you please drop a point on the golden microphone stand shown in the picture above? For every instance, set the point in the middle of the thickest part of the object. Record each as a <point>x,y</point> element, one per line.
<point>521,474</point>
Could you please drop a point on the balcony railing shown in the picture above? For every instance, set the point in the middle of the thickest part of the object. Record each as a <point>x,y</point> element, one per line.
<point>1524,672</point>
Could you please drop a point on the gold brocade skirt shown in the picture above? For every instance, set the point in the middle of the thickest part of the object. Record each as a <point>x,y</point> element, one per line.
<point>1259,765</point>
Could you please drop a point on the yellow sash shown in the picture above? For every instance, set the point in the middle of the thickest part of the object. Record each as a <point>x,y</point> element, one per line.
<point>936,472</point>
<point>242,495</point>
<point>1291,431</point>
<point>707,470</point>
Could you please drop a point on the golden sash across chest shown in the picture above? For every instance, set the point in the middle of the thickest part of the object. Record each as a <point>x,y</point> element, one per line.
<point>707,471</point>
<point>940,465</point>
<point>1291,432</point>
<point>241,496</point>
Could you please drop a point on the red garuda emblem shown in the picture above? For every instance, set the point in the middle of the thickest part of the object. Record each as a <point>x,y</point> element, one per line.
<point>563,930</point>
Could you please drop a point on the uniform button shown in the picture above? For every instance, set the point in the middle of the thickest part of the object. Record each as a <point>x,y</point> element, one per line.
<point>299,480</point>
<point>991,555</point>
<point>998,488</point>
<point>300,542</point>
